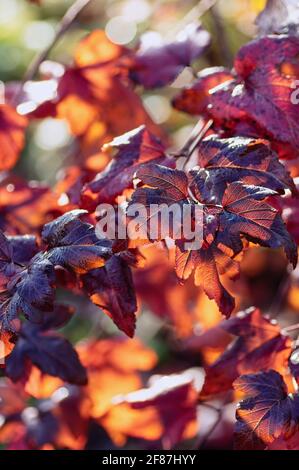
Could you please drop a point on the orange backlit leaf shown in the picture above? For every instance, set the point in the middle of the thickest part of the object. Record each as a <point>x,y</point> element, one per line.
<point>155,412</point>
<point>12,136</point>
<point>107,375</point>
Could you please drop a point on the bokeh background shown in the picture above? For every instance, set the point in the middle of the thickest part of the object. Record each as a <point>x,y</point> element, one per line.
<point>26,29</point>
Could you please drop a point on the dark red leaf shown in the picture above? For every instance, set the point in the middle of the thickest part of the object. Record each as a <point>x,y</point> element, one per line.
<point>242,159</point>
<point>112,289</point>
<point>31,293</point>
<point>132,150</point>
<point>57,318</point>
<point>195,98</point>
<point>24,247</point>
<point>226,219</point>
<point>73,244</point>
<point>15,253</point>
<point>156,66</point>
<point>262,91</point>
<point>260,345</point>
<point>173,182</point>
<point>266,413</point>
<point>244,213</point>
<point>53,355</point>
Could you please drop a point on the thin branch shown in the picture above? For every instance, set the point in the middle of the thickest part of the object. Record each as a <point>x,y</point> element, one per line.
<point>197,129</point>
<point>65,23</point>
<point>197,134</point>
<point>199,137</point>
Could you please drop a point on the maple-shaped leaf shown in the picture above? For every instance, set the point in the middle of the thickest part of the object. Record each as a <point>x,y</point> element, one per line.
<point>226,219</point>
<point>259,344</point>
<point>51,353</point>
<point>195,98</point>
<point>29,291</point>
<point>132,150</point>
<point>12,136</point>
<point>153,413</point>
<point>158,185</point>
<point>157,65</point>
<point>73,244</point>
<point>239,211</point>
<point>172,183</point>
<point>111,288</point>
<point>246,213</point>
<point>266,70</point>
<point>239,158</point>
<point>266,413</point>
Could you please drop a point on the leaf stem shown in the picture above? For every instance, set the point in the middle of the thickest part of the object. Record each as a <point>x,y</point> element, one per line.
<point>197,134</point>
